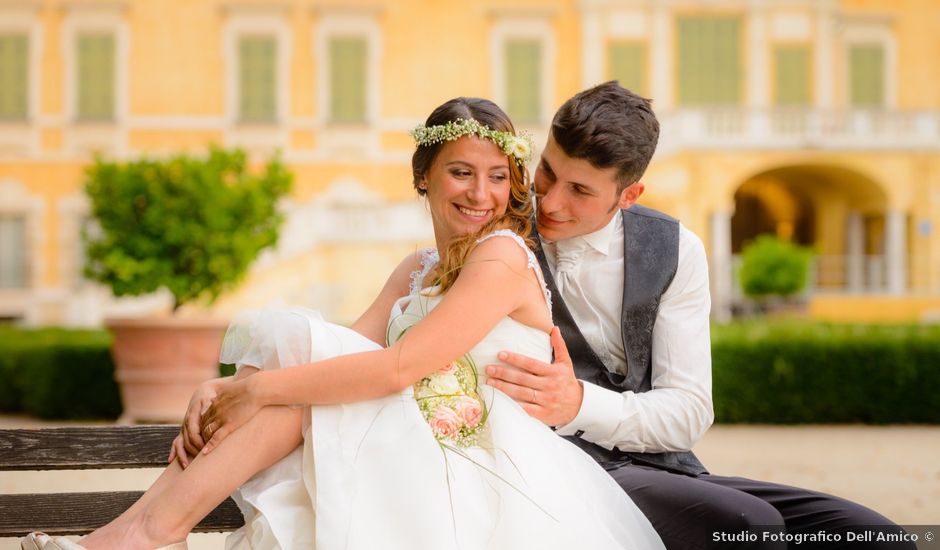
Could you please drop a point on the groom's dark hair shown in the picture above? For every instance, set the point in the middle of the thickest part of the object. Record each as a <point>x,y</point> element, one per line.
<point>610,127</point>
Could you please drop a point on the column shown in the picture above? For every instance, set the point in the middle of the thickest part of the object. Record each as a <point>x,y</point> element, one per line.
<point>854,253</point>
<point>662,59</point>
<point>823,66</point>
<point>592,49</point>
<point>720,263</point>
<point>758,59</point>
<point>896,251</point>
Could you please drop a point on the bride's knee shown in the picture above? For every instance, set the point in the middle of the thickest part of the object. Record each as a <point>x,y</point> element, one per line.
<point>278,423</point>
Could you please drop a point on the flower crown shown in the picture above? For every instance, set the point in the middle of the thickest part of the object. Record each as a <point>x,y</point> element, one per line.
<point>519,147</point>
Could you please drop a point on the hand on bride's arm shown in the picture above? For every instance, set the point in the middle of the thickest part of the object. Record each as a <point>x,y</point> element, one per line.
<point>548,392</point>
<point>234,405</point>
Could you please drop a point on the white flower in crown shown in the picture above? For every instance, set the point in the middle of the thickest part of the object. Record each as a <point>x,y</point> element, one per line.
<point>520,148</point>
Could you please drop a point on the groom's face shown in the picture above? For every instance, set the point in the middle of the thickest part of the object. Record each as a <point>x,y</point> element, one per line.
<point>574,197</point>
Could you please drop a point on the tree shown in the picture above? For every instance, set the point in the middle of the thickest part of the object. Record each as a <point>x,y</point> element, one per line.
<point>190,224</point>
<point>771,266</point>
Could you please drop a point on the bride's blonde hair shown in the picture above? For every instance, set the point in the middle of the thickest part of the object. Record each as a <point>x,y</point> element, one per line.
<point>518,216</point>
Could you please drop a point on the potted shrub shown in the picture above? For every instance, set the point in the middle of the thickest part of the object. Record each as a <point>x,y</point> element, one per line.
<point>773,270</point>
<point>191,225</point>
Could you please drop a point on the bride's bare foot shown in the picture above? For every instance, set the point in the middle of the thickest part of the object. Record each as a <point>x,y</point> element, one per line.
<point>129,534</point>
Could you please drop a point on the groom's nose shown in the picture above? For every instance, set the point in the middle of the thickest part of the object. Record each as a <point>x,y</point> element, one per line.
<point>550,200</point>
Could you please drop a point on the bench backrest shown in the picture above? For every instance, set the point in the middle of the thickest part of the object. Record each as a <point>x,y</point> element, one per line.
<point>82,449</point>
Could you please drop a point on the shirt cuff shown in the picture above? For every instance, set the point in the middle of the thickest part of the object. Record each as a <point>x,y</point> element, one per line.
<point>598,417</point>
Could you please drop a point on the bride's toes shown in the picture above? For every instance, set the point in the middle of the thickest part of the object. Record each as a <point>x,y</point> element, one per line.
<point>42,541</point>
<point>34,541</point>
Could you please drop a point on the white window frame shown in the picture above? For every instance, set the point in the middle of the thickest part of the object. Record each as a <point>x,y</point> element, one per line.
<point>531,27</point>
<point>84,136</point>
<point>343,140</point>
<point>858,33</point>
<point>257,137</point>
<point>16,200</point>
<point>21,138</point>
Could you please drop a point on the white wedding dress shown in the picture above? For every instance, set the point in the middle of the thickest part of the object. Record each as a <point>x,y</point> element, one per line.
<point>371,475</point>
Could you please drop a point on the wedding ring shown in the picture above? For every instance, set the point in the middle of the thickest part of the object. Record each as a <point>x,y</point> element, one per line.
<point>535,394</point>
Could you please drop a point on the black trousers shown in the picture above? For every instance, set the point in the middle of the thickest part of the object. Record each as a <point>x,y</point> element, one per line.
<point>716,512</point>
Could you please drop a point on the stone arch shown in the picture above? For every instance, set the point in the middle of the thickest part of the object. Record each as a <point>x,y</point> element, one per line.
<point>835,209</point>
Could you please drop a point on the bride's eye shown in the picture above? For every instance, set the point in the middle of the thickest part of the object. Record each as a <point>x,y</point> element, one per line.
<point>460,173</point>
<point>499,177</point>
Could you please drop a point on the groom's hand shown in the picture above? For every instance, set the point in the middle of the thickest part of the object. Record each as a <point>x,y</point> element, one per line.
<point>548,392</point>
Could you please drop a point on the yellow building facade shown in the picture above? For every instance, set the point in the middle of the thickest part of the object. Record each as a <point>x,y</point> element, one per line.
<point>816,120</point>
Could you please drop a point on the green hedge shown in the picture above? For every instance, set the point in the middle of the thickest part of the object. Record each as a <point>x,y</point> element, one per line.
<point>797,372</point>
<point>56,373</point>
<point>763,372</point>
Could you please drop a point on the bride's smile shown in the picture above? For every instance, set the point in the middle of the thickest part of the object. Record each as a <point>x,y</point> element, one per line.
<point>467,185</point>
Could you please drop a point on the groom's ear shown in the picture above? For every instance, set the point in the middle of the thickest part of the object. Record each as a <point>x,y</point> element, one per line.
<point>631,194</point>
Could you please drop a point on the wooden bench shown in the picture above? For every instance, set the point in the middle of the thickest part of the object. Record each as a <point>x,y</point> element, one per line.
<point>83,449</point>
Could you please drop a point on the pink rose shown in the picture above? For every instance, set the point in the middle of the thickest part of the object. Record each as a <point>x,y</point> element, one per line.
<point>444,421</point>
<point>469,410</point>
<point>449,369</point>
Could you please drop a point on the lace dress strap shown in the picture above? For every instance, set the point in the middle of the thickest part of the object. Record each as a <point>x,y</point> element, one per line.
<point>533,262</point>
<point>428,259</point>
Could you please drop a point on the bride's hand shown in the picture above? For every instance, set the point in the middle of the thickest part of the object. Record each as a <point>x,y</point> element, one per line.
<point>233,406</point>
<point>189,441</point>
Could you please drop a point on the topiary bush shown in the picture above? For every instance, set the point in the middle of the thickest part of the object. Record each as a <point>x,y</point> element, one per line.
<point>189,224</point>
<point>773,267</point>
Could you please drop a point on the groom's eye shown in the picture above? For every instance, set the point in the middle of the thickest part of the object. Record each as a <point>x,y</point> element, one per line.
<point>580,190</point>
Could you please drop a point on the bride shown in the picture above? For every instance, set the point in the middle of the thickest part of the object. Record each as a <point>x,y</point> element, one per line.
<point>384,435</point>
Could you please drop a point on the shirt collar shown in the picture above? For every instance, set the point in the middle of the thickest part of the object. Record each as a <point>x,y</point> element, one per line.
<point>598,240</point>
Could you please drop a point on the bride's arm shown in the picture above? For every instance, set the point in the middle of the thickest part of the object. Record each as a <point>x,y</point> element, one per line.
<point>373,323</point>
<point>494,282</point>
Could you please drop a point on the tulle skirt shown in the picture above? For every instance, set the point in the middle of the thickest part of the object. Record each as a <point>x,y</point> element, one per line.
<point>371,475</point>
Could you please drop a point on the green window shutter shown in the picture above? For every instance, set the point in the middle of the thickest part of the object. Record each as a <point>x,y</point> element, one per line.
<point>14,81</point>
<point>866,75</point>
<point>13,268</point>
<point>96,76</point>
<point>627,64</point>
<point>348,56</point>
<point>257,75</point>
<point>524,80</point>
<point>792,78</point>
<point>710,70</point>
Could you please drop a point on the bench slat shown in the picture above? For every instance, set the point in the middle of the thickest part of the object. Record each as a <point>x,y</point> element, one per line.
<point>87,447</point>
<point>81,513</point>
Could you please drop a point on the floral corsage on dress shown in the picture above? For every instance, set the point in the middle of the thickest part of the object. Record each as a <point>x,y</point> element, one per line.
<point>450,401</point>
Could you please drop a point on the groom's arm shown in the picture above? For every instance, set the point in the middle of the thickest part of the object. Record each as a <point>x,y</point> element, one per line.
<point>670,417</point>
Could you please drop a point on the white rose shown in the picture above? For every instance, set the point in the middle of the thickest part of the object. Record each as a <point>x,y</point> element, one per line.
<point>520,149</point>
<point>444,384</point>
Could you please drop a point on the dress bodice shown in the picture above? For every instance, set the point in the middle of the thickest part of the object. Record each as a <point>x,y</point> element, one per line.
<point>507,335</point>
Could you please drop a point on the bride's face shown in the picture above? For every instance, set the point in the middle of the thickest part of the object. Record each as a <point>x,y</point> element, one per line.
<point>468,185</point>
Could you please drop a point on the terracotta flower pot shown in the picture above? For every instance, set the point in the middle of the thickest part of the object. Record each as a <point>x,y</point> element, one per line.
<point>160,362</point>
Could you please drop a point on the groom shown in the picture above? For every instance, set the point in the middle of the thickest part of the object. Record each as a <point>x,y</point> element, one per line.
<point>631,382</point>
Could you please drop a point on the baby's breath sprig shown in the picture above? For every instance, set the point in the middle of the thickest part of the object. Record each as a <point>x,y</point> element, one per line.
<point>519,147</point>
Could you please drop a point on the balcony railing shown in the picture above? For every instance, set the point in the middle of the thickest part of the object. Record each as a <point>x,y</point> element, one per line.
<point>840,274</point>
<point>797,128</point>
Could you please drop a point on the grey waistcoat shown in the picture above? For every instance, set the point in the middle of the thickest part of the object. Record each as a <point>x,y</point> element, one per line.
<point>651,255</point>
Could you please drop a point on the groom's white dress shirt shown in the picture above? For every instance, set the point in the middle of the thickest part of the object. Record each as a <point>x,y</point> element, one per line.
<point>678,410</point>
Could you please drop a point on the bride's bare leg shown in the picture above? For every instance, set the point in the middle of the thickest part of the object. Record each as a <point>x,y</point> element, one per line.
<point>179,499</point>
<point>173,469</point>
